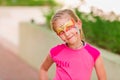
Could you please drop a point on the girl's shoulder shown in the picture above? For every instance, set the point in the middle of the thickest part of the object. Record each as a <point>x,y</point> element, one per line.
<point>93,51</point>
<point>56,49</point>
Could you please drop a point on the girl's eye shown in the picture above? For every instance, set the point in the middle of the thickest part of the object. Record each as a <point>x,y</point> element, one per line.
<point>68,28</point>
<point>61,33</point>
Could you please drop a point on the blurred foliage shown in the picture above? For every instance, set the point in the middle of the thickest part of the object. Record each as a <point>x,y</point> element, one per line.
<point>27,2</point>
<point>100,32</point>
<point>48,17</point>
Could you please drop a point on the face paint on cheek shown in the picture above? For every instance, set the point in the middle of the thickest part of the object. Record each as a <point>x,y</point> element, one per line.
<point>78,31</point>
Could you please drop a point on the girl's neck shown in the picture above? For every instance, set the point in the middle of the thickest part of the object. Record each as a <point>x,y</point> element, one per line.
<point>77,45</point>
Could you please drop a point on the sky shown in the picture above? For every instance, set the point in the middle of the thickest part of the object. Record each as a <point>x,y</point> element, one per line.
<point>105,5</point>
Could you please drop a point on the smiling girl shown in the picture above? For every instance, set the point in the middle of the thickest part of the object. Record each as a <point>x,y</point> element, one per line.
<point>75,58</point>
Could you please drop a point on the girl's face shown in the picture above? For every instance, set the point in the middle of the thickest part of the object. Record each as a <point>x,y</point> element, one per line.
<point>68,30</point>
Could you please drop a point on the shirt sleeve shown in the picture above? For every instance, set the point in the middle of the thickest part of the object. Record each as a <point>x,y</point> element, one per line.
<point>55,50</point>
<point>94,52</point>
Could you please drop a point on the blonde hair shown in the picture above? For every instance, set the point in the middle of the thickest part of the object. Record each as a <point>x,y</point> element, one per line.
<point>59,14</point>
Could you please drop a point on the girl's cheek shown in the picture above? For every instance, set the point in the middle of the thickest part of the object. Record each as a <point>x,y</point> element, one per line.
<point>74,31</point>
<point>78,32</point>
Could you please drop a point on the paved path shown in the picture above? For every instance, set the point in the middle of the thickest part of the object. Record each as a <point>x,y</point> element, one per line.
<point>14,68</point>
<point>112,64</point>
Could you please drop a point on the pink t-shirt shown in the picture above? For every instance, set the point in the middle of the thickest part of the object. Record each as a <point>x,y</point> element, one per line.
<point>74,64</point>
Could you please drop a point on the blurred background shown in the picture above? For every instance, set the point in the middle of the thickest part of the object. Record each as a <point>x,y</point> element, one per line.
<point>26,36</point>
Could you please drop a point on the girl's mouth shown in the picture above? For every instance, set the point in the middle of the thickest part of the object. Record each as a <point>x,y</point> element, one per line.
<point>69,38</point>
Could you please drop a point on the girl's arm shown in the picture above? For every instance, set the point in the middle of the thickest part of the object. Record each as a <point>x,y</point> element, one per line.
<point>44,68</point>
<point>100,70</point>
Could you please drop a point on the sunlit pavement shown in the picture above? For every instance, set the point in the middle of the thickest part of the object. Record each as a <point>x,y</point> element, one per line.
<point>14,68</point>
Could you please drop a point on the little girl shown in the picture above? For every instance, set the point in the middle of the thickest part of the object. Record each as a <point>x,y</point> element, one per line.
<point>74,59</point>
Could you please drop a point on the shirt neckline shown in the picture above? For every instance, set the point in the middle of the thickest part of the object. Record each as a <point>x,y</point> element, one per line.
<point>65,45</point>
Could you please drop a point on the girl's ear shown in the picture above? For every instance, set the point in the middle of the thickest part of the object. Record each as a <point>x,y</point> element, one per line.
<point>79,23</point>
